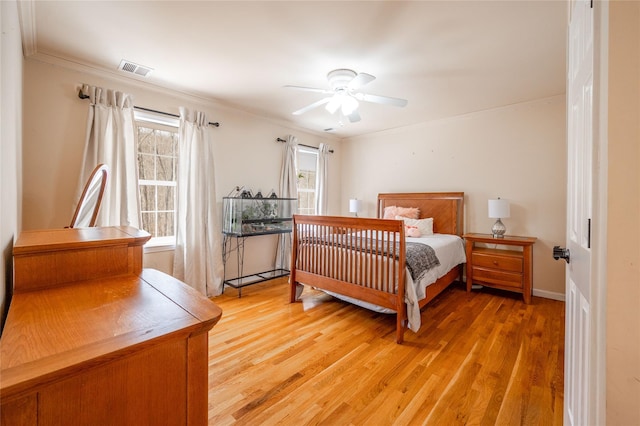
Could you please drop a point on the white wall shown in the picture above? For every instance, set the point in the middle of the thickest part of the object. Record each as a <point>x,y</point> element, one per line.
<point>516,152</point>
<point>623,222</point>
<point>10,142</point>
<point>245,149</point>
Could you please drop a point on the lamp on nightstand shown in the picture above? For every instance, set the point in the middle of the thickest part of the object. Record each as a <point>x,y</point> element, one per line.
<point>355,206</point>
<point>498,209</point>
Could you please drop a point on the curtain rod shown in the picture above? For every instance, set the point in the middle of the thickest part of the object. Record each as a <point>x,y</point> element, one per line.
<point>301,144</point>
<point>83,96</point>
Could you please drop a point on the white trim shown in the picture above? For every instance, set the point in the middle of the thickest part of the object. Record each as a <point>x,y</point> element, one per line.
<point>469,115</point>
<point>308,150</point>
<point>598,391</point>
<point>149,182</point>
<point>26,12</point>
<point>150,247</point>
<point>549,294</point>
<point>156,118</point>
<point>166,243</point>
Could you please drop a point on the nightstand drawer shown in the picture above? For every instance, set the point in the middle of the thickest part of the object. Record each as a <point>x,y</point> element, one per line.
<point>488,259</point>
<point>492,276</point>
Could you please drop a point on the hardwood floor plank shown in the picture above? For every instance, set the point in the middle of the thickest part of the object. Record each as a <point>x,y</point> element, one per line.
<point>479,358</point>
<point>457,395</point>
<point>267,396</point>
<point>414,412</point>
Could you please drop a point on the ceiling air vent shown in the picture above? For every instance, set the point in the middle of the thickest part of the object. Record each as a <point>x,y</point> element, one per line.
<point>134,68</point>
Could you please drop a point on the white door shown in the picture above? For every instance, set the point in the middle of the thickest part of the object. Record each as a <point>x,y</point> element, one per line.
<point>578,332</point>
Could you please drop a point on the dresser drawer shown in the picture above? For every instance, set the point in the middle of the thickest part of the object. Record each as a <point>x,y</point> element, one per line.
<point>504,262</point>
<point>500,278</point>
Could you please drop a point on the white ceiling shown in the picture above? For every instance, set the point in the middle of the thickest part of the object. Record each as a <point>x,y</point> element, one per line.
<point>446,57</point>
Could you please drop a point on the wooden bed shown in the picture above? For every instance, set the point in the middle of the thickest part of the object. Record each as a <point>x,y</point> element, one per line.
<point>325,256</point>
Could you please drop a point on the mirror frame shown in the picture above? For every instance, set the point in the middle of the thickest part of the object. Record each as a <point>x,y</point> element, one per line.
<point>97,182</point>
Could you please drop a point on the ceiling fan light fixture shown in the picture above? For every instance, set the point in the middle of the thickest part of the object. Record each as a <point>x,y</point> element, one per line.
<point>340,78</point>
<point>333,105</point>
<point>349,105</point>
<point>345,94</point>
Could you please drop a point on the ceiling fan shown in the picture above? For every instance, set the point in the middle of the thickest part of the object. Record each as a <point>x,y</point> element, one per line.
<point>345,93</point>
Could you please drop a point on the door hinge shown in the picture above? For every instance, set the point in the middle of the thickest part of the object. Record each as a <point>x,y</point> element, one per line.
<point>589,233</point>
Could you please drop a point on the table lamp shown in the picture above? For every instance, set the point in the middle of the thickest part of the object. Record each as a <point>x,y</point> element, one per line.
<point>355,206</point>
<point>498,209</point>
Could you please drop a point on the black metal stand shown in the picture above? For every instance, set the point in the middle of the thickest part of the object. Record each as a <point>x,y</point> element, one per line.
<point>244,280</point>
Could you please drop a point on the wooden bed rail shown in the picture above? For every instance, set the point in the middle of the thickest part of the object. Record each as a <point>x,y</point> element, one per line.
<point>355,257</point>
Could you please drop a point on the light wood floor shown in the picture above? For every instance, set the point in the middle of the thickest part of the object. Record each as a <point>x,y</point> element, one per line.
<point>484,358</point>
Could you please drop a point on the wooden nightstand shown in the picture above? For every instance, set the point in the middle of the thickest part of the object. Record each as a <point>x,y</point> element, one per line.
<point>510,270</point>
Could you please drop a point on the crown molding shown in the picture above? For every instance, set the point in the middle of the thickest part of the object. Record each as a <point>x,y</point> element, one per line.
<point>117,76</point>
<point>27,16</point>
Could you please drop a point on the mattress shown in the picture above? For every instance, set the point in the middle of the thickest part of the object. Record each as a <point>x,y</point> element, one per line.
<point>450,252</point>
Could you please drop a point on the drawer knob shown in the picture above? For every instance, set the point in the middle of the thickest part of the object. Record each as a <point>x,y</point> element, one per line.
<point>495,262</point>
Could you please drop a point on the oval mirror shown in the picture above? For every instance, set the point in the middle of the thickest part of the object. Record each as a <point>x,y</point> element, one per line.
<point>88,206</point>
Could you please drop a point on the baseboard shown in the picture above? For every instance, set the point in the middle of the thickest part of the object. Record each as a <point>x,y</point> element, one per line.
<point>549,294</point>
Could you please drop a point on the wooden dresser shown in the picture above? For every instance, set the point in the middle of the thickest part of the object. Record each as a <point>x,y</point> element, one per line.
<point>91,338</point>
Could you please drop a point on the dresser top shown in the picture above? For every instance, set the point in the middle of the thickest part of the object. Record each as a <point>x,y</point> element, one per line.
<point>71,238</point>
<point>506,240</point>
<point>59,331</point>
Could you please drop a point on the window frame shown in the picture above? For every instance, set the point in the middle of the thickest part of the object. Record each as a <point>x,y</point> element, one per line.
<point>164,123</point>
<point>315,153</point>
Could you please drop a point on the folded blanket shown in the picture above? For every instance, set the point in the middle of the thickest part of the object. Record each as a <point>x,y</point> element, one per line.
<point>420,257</point>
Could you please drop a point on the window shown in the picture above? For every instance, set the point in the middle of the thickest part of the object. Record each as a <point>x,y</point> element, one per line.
<point>307,166</point>
<point>157,173</point>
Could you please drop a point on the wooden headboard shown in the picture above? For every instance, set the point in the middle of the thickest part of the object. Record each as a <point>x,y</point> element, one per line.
<point>446,208</point>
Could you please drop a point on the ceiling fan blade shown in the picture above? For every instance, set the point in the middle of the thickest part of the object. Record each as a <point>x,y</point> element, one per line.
<point>309,89</point>
<point>312,106</point>
<point>385,100</point>
<point>354,117</point>
<point>360,80</point>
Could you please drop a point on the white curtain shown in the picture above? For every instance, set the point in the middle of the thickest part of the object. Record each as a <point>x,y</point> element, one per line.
<point>288,189</point>
<point>322,172</point>
<point>198,253</point>
<point>111,139</point>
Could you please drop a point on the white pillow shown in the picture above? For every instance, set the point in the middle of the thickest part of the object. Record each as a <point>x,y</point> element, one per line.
<point>424,225</point>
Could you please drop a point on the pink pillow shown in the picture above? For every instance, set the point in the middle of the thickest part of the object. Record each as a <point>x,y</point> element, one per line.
<point>392,211</point>
<point>411,231</point>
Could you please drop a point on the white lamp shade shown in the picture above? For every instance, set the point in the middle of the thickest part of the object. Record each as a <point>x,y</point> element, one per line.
<point>499,209</point>
<point>355,205</point>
